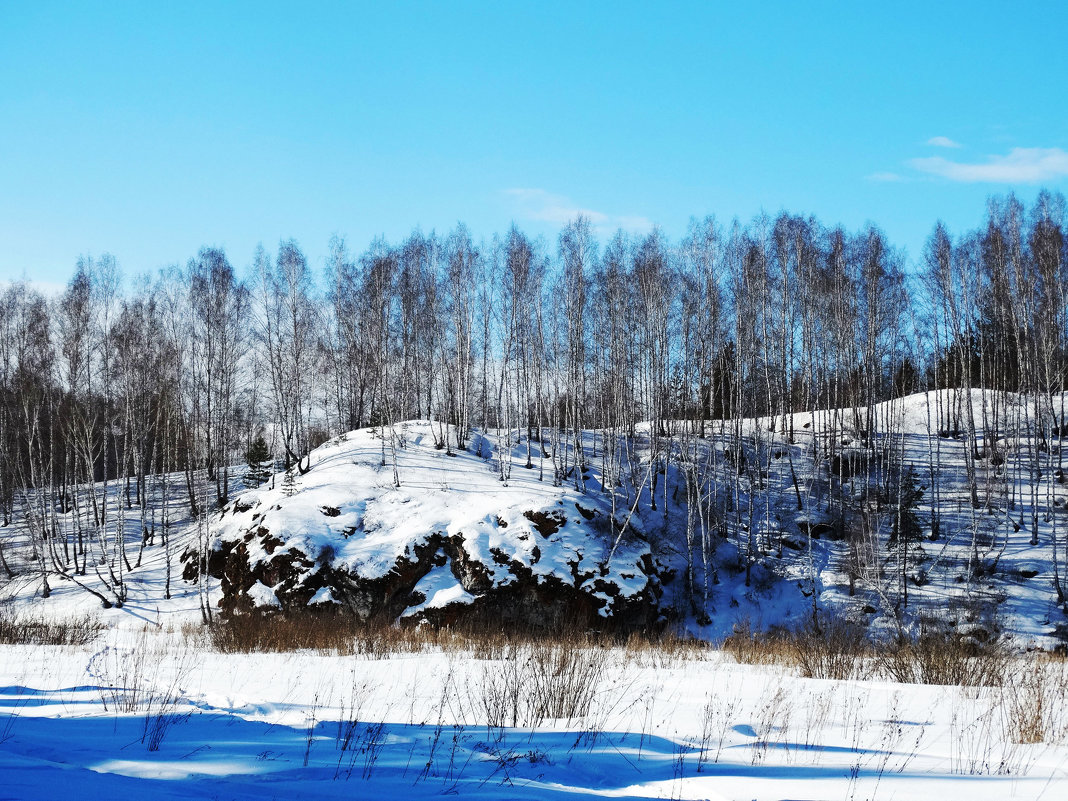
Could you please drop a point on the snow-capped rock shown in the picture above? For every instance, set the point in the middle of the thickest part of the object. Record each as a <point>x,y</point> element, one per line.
<point>452,541</point>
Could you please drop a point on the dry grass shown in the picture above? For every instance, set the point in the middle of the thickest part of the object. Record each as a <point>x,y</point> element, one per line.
<point>1034,702</point>
<point>344,635</point>
<point>26,630</point>
<point>535,682</point>
<point>937,658</point>
<point>841,651</point>
<point>834,651</point>
<point>336,634</point>
<point>749,647</point>
<point>661,650</point>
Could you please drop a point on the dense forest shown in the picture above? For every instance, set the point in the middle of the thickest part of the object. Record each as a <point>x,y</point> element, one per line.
<point>174,376</point>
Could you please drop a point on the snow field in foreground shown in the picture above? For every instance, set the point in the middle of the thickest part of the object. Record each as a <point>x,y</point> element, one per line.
<point>161,715</point>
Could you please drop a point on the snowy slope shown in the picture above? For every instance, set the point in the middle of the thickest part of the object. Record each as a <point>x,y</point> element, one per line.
<point>149,709</point>
<point>344,535</point>
<point>452,531</point>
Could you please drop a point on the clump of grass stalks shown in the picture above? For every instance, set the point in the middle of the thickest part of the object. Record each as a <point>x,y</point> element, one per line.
<point>940,658</point>
<point>22,629</point>
<point>132,683</point>
<point>1034,702</point>
<point>832,651</point>
<point>749,647</point>
<point>534,682</point>
<point>839,650</point>
<point>338,633</point>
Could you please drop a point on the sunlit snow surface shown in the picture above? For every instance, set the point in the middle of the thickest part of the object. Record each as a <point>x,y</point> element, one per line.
<point>263,726</point>
<point>254,726</point>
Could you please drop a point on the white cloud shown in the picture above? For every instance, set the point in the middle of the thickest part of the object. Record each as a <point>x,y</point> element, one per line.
<point>538,204</point>
<point>942,141</point>
<point>1025,165</point>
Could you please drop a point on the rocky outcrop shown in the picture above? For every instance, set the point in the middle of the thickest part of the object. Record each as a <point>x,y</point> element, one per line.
<point>528,555</point>
<point>522,599</point>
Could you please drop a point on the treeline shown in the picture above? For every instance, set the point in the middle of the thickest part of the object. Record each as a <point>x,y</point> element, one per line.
<point>174,374</point>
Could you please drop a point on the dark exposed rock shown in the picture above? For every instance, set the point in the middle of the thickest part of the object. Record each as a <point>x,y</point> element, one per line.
<point>1028,570</point>
<point>587,514</point>
<point>546,602</point>
<point>473,576</point>
<point>527,600</point>
<point>848,463</point>
<point>546,523</point>
<point>792,542</point>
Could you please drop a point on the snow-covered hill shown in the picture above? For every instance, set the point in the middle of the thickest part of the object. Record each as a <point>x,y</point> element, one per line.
<point>148,706</point>
<point>993,563</point>
<point>451,540</point>
<point>788,533</point>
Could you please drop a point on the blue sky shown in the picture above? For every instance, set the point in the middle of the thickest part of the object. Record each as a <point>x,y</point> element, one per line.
<point>149,129</point>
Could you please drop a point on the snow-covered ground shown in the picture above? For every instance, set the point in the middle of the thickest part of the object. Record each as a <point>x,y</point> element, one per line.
<point>150,708</point>
<point>194,723</point>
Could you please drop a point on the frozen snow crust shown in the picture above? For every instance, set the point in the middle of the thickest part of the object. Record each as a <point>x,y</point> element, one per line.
<point>452,541</point>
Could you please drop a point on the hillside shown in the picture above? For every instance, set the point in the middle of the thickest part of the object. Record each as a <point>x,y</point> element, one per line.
<point>454,540</point>
<point>451,534</point>
<point>147,700</point>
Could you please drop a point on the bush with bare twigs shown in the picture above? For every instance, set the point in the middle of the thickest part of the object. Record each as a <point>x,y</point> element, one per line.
<point>941,658</point>
<point>832,651</point>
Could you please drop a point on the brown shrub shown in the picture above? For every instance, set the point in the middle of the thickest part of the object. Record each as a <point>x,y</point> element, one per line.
<point>940,658</point>
<point>832,651</point>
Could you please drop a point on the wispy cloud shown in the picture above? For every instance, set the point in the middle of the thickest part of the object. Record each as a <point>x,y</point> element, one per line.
<point>538,204</point>
<point>1025,165</point>
<point>942,141</point>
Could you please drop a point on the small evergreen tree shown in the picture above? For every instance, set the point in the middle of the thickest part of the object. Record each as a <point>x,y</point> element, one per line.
<point>289,482</point>
<point>259,462</point>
